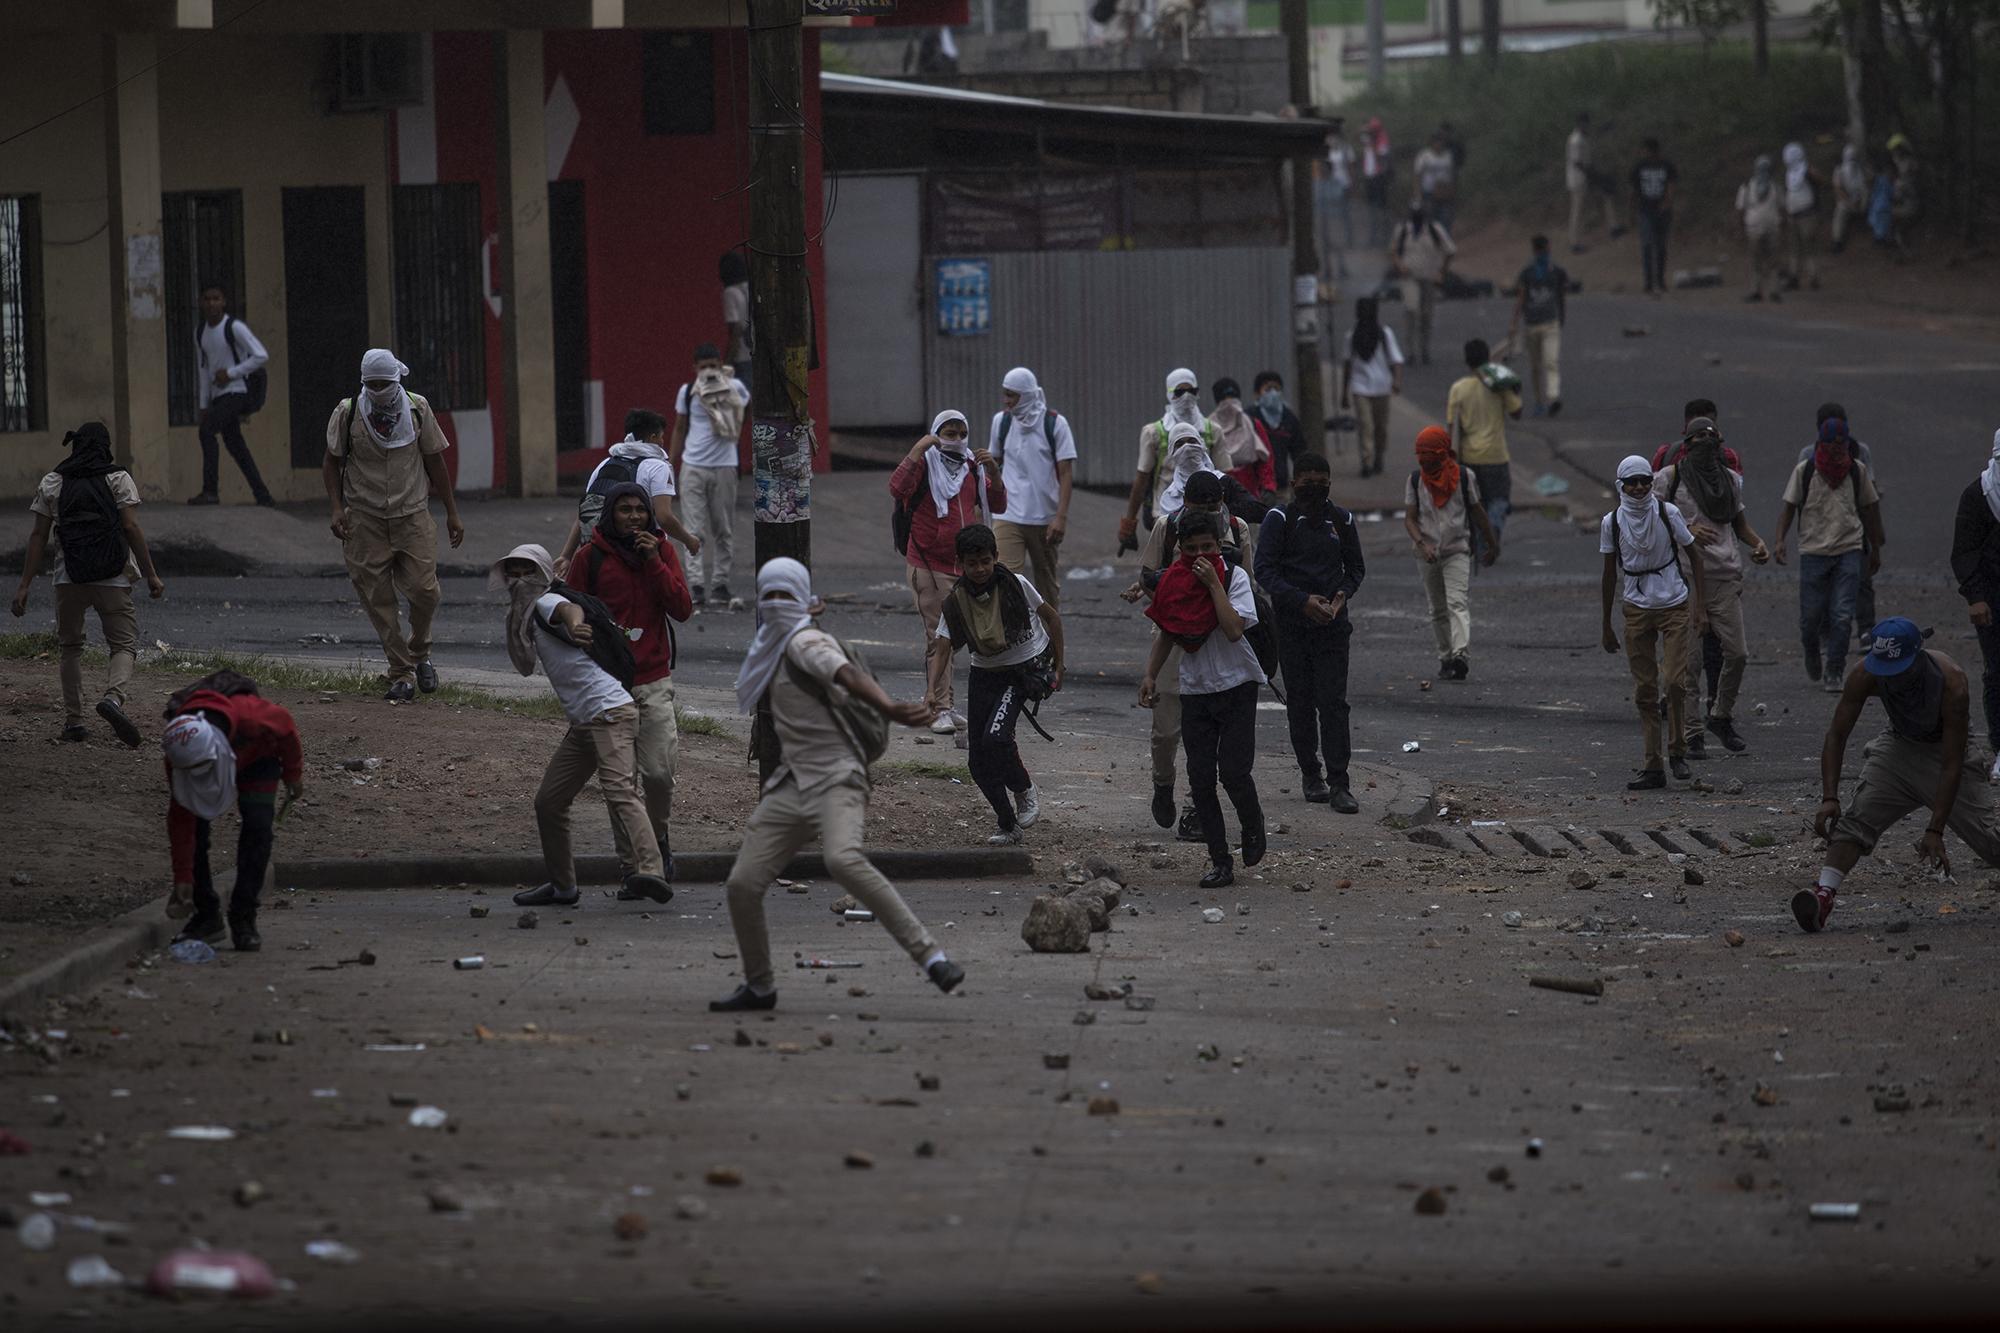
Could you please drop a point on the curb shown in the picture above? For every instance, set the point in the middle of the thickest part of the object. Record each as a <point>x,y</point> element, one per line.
<point>138,930</point>
<point>1412,800</point>
<point>385,872</point>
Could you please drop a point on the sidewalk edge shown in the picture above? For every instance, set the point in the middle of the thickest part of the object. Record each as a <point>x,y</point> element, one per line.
<point>140,929</point>
<point>386,872</point>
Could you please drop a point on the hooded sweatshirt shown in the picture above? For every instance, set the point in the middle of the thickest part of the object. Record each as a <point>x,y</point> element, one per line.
<point>259,731</point>
<point>933,541</point>
<point>642,596</point>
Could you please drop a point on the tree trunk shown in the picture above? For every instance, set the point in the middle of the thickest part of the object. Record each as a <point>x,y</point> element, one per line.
<point>1489,32</point>
<point>1454,33</point>
<point>1850,67</point>
<point>1971,127</point>
<point>1760,36</point>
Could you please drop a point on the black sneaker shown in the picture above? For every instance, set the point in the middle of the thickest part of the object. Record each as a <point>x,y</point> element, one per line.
<point>1555,407</point>
<point>946,975</point>
<point>1679,765</point>
<point>109,710</point>
<point>401,692</point>
<point>1219,876</point>
<point>1163,805</point>
<point>1461,667</point>
<point>1190,828</point>
<point>695,594</point>
<point>1343,802</point>
<point>1725,731</point>
<point>743,998</point>
<point>646,886</point>
<point>1253,845</point>
<point>427,677</point>
<point>546,895</point>
<point>205,926</point>
<point>75,732</point>
<point>243,933</point>
<point>1316,790</point>
<point>1649,779</point>
<point>1813,666</point>
<point>719,595</point>
<point>205,498</point>
<point>1697,746</point>
<point>1445,669</point>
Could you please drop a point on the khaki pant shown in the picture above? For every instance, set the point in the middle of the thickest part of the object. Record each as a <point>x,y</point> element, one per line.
<point>1577,199</point>
<point>1722,598</point>
<point>1167,717</point>
<point>121,639</point>
<point>1842,215</point>
<point>1025,544</point>
<point>1371,430</point>
<point>1899,776</point>
<point>708,507</point>
<point>1545,361</point>
<point>389,558</point>
<point>1419,304</point>
<point>1805,248</point>
<point>1448,582</point>
<point>785,821</point>
<point>929,588</point>
<point>1763,257</point>
<point>656,750</point>
<point>606,750</point>
<point>1650,637</point>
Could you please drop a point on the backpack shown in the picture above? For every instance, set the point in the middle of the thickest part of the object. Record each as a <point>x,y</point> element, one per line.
<point>614,471</point>
<point>609,647</point>
<point>224,682</point>
<point>1618,548</point>
<point>593,565</point>
<point>257,384</point>
<point>346,435</point>
<point>865,730</point>
<point>1051,424</point>
<point>905,517</point>
<point>89,531</point>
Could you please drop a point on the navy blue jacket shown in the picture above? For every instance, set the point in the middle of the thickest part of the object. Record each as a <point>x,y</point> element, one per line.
<point>1316,555</point>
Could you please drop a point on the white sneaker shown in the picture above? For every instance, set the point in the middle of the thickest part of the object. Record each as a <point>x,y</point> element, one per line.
<point>942,725</point>
<point>1011,838</point>
<point>1027,808</point>
<point>958,719</point>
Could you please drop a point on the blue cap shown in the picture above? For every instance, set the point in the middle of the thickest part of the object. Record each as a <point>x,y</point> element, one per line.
<point>1896,644</point>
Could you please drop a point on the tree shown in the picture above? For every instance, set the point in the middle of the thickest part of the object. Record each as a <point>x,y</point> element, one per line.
<point>1707,17</point>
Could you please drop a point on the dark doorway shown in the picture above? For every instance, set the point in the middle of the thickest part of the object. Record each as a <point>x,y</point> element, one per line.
<point>569,292</point>
<point>326,307</point>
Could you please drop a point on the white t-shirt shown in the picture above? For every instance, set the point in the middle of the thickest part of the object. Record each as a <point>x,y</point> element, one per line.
<point>1655,591</point>
<point>704,448</point>
<point>1028,467</point>
<point>587,690</point>
<point>1576,160</point>
<point>736,310</point>
<point>213,347</point>
<point>1218,664</point>
<point>1373,378</point>
<point>655,474</point>
<point>1034,646</point>
<point>48,501</point>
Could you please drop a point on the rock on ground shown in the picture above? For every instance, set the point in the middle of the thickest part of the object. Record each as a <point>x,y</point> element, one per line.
<point>1057,925</point>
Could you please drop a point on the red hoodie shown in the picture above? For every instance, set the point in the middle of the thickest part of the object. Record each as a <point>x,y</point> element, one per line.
<point>934,540</point>
<point>258,730</point>
<point>641,598</point>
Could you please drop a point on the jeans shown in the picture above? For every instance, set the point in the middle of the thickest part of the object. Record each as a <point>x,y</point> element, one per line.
<point>1219,732</point>
<point>1989,648</point>
<point>224,417</point>
<point>1828,585</point>
<point>1496,497</point>
<point>1313,661</point>
<point>1864,600</point>
<point>993,701</point>
<point>1653,228</point>
<point>257,805</point>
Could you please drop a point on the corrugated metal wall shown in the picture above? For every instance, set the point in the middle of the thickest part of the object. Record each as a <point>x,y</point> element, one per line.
<point>1102,330</point>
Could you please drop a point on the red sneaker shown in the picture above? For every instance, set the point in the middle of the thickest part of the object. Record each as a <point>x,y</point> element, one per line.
<point>1812,907</point>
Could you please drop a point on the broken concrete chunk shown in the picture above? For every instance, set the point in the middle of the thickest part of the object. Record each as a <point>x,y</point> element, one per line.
<point>1057,925</point>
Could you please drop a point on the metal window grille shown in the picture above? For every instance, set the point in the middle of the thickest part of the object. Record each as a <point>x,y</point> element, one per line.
<point>201,239</point>
<point>440,327</point>
<point>22,406</point>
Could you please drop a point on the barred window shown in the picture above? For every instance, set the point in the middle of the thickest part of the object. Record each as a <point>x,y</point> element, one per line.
<point>440,327</point>
<point>22,403</point>
<point>201,239</point>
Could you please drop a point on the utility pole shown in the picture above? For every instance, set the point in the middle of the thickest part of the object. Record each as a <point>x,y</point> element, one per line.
<point>1293,18</point>
<point>1489,32</point>
<point>1377,62</point>
<point>781,427</point>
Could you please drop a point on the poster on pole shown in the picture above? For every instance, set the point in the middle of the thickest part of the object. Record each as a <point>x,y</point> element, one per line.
<point>964,297</point>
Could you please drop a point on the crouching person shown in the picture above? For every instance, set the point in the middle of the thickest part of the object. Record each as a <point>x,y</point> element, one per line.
<point>1206,607</point>
<point>225,745</point>
<point>548,622</point>
<point>816,780</point>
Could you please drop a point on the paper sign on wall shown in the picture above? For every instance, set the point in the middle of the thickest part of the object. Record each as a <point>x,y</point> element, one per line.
<point>964,297</point>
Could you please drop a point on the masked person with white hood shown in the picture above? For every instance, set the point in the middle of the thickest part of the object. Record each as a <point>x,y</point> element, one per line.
<point>1243,441</point>
<point>1152,475</point>
<point>1802,185</point>
<point>1762,210</point>
<point>380,488</point>
<point>1850,195</point>
<point>941,487</point>
<point>816,783</point>
<point>1646,542</point>
<point>1975,561</point>
<point>1037,455</point>
<point>640,458</point>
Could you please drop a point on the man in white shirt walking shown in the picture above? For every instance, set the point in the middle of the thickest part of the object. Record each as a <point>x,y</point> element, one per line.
<point>708,423</point>
<point>1583,179</point>
<point>1037,453</point>
<point>228,354</point>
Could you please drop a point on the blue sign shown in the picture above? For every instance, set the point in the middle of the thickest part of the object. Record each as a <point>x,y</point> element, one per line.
<point>964,297</point>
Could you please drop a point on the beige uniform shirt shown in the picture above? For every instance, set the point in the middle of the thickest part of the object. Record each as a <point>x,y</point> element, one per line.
<point>388,483</point>
<point>1449,527</point>
<point>816,752</point>
<point>1830,517</point>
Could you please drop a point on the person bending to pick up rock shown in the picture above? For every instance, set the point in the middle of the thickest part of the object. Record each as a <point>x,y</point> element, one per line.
<point>1919,762</point>
<point>1206,607</point>
<point>817,783</point>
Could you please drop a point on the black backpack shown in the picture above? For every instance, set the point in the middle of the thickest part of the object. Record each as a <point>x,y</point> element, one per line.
<point>89,531</point>
<point>609,647</point>
<point>614,471</point>
<point>1053,423</point>
<point>257,383</point>
<point>1618,547</point>
<point>905,516</point>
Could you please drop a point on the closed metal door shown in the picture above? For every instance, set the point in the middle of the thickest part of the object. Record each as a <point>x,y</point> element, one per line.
<point>874,303</point>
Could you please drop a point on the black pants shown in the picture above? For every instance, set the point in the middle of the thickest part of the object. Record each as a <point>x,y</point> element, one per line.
<point>1313,661</point>
<point>1219,737</point>
<point>1653,229</point>
<point>995,699</point>
<point>257,805</point>
<point>223,417</point>
<point>1989,648</point>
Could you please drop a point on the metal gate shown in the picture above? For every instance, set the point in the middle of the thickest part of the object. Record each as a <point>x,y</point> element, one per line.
<point>875,303</point>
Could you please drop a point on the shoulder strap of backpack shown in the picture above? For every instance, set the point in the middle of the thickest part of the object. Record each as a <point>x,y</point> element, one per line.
<point>824,698</point>
<point>593,566</point>
<point>229,335</point>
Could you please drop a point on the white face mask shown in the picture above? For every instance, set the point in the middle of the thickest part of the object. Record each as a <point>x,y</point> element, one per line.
<point>385,399</point>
